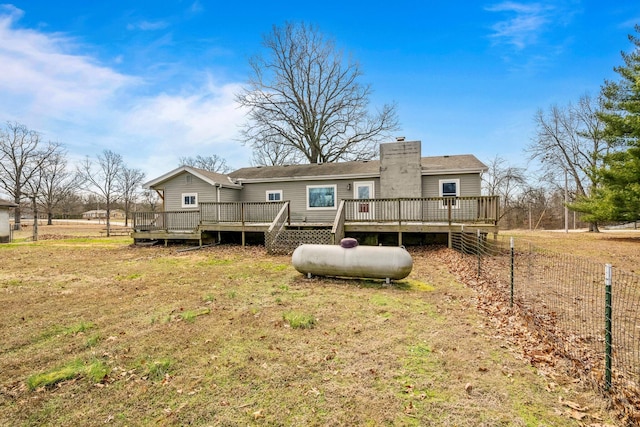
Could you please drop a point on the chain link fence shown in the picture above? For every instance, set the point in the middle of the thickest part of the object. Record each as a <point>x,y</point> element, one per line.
<point>588,311</point>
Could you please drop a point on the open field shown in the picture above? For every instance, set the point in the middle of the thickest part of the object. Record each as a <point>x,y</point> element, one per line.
<point>619,248</point>
<point>94,331</point>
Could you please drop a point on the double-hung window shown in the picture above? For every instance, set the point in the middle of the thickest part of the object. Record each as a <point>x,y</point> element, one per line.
<point>189,200</point>
<point>274,195</point>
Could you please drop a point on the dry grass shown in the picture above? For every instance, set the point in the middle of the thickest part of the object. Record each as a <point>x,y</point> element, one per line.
<point>619,248</point>
<point>200,338</point>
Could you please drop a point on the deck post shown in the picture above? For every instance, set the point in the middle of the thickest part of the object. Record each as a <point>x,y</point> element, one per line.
<point>242,219</point>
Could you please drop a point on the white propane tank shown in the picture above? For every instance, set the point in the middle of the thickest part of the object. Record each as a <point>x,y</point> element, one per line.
<point>347,260</point>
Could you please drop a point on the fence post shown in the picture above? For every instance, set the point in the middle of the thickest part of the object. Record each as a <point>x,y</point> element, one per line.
<point>512,269</point>
<point>478,250</point>
<point>607,321</point>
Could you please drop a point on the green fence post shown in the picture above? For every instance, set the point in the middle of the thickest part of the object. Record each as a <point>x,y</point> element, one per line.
<point>512,269</point>
<point>607,323</point>
<point>478,250</point>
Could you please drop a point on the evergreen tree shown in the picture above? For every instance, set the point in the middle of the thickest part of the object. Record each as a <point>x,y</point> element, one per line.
<point>618,198</point>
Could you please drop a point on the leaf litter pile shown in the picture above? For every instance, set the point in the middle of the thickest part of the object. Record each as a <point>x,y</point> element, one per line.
<point>113,334</point>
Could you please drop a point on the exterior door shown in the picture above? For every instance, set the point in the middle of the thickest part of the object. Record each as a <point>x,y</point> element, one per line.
<point>362,191</point>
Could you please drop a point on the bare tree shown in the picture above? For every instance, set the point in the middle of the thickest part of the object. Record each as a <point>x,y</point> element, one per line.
<point>131,179</point>
<point>303,95</point>
<point>150,200</point>
<point>21,157</point>
<point>213,163</point>
<point>57,183</point>
<point>571,140</point>
<point>103,179</point>
<point>275,154</point>
<point>504,181</point>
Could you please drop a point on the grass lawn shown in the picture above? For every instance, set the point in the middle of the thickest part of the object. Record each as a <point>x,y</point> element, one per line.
<point>94,331</point>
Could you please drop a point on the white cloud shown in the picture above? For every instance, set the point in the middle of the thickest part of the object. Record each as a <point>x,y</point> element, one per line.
<point>148,25</point>
<point>196,7</point>
<point>50,84</point>
<point>39,76</point>
<point>523,25</point>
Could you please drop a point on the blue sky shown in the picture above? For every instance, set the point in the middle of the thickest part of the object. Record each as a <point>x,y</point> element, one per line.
<point>155,80</point>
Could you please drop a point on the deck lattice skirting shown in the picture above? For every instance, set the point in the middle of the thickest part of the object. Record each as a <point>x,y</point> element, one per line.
<point>287,241</point>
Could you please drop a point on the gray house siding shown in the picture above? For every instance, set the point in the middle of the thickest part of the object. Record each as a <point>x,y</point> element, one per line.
<point>229,194</point>
<point>470,184</point>
<point>179,185</point>
<point>296,193</point>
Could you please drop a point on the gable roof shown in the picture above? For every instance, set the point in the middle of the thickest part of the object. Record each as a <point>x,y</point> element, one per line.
<point>435,165</point>
<point>212,178</point>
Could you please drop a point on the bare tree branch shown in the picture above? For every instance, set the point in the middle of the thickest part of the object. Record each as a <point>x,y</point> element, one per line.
<point>305,97</point>
<point>213,163</point>
<point>571,139</point>
<point>21,158</point>
<point>103,179</point>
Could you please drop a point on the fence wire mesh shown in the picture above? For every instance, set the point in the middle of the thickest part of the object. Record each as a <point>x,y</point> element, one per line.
<point>564,297</point>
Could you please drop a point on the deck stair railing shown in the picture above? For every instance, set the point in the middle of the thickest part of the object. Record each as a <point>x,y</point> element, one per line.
<point>277,226</point>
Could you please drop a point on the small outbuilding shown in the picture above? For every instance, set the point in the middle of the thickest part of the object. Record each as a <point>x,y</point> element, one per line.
<point>5,227</point>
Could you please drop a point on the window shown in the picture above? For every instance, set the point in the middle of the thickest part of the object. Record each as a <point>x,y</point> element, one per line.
<point>321,197</point>
<point>274,195</point>
<point>449,188</point>
<point>190,200</point>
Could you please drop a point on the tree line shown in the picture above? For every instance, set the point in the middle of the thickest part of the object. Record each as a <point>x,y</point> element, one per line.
<point>36,174</point>
<point>589,152</point>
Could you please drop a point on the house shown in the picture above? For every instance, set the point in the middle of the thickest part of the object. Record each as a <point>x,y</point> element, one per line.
<point>5,227</point>
<point>398,196</point>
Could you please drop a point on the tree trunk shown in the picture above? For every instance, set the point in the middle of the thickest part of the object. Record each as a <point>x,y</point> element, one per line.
<point>49,218</point>
<point>17,215</point>
<point>108,219</point>
<point>35,220</point>
<point>593,227</point>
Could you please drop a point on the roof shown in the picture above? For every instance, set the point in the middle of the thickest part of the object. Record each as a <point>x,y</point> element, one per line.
<point>212,178</point>
<point>464,163</point>
<point>434,165</point>
<point>7,204</point>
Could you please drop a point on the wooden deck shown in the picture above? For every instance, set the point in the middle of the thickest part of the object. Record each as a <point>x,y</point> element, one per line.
<point>422,216</point>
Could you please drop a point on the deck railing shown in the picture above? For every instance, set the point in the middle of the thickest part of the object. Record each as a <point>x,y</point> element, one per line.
<point>242,212</point>
<point>166,221</point>
<point>481,209</point>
